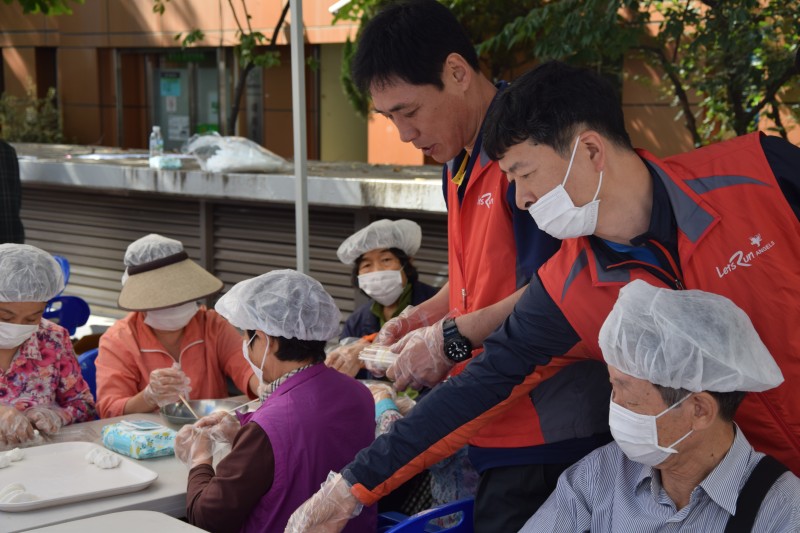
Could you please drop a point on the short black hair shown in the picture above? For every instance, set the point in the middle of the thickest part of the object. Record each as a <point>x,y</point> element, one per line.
<point>548,104</point>
<point>409,40</point>
<point>291,349</point>
<point>728,401</point>
<point>408,267</point>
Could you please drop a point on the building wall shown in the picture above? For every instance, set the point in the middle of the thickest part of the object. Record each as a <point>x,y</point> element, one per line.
<point>85,44</point>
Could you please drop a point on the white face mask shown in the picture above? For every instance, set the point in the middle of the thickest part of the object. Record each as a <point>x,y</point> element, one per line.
<point>171,318</point>
<point>257,370</point>
<point>383,286</point>
<point>13,335</point>
<point>637,435</point>
<point>556,215</point>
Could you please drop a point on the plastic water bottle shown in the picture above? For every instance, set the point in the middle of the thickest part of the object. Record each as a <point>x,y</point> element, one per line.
<point>156,147</point>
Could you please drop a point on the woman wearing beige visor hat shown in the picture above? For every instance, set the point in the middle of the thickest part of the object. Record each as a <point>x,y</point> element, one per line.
<point>169,346</point>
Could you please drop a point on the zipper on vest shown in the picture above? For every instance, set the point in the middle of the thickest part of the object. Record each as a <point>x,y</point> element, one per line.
<point>464,298</point>
<point>677,278</point>
<point>667,277</point>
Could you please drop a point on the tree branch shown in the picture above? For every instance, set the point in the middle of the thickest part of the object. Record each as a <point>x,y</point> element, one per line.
<point>683,97</point>
<point>235,17</point>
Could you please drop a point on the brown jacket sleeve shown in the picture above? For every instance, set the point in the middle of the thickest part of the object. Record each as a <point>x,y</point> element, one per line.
<point>222,501</point>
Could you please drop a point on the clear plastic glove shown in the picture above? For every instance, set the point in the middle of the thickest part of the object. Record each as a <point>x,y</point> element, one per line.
<point>412,317</point>
<point>222,427</point>
<point>15,428</point>
<point>422,362</point>
<point>193,446</point>
<point>328,510</point>
<point>345,358</point>
<point>48,420</point>
<point>167,385</point>
<point>381,390</point>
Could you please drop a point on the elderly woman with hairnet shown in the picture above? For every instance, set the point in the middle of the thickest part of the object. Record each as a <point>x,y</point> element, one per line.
<point>41,387</point>
<point>381,255</point>
<point>313,419</point>
<point>169,346</point>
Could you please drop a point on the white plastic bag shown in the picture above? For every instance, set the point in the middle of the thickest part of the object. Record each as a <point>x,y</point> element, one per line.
<point>216,153</point>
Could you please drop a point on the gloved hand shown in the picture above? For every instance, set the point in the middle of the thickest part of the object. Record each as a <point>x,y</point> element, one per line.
<point>48,419</point>
<point>328,510</point>
<point>221,426</point>
<point>166,385</point>
<point>421,362</point>
<point>381,390</point>
<point>345,358</point>
<point>193,446</point>
<point>15,428</point>
<point>412,317</point>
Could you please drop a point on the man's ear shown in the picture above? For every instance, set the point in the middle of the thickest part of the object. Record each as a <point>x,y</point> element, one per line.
<point>704,408</point>
<point>597,145</point>
<point>457,72</point>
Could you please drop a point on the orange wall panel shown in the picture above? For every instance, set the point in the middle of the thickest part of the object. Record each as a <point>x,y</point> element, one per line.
<point>384,145</point>
<point>19,69</point>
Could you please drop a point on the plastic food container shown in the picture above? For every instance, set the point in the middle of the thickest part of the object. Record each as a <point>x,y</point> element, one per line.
<point>377,357</point>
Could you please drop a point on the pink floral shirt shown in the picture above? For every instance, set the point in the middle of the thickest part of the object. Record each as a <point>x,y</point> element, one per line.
<point>45,372</point>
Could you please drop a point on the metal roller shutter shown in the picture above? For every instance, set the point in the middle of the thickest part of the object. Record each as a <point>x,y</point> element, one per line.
<point>92,230</point>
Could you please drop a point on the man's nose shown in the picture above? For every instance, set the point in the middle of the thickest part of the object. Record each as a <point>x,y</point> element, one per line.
<point>407,132</point>
<point>523,198</point>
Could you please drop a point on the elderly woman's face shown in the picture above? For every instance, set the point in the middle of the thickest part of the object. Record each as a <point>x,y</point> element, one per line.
<point>26,313</point>
<point>377,260</point>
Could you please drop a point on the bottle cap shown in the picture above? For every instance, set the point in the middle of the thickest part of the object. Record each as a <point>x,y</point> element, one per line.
<point>156,128</point>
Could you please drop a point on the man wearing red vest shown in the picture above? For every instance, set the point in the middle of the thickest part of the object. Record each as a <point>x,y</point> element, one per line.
<point>428,83</point>
<point>723,219</point>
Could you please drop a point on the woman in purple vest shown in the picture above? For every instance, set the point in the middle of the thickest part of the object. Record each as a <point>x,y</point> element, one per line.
<point>313,419</point>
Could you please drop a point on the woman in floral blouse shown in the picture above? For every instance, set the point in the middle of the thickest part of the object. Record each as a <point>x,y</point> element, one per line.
<point>41,387</point>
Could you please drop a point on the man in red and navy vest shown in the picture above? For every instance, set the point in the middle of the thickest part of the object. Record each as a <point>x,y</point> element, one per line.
<point>723,219</point>
<point>428,83</point>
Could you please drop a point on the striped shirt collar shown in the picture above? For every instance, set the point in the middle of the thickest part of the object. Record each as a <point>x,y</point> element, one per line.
<point>722,485</point>
<point>272,386</point>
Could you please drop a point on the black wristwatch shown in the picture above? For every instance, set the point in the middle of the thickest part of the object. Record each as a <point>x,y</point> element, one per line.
<point>457,347</point>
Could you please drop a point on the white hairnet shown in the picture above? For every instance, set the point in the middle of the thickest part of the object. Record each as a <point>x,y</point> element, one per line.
<point>28,274</point>
<point>403,234</point>
<point>694,340</point>
<point>282,303</point>
<point>149,248</point>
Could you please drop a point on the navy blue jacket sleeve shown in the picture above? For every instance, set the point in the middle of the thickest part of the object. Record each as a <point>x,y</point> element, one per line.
<point>446,417</point>
<point>784,159</point>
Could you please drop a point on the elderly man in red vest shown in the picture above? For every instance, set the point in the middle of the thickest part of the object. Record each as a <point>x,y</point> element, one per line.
<point>723,219</point>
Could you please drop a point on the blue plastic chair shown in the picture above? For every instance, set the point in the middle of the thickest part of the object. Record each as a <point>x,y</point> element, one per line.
<point>63,262</point>
<point>86,360</point>
<point>420,523</point>
<point>69,312</point>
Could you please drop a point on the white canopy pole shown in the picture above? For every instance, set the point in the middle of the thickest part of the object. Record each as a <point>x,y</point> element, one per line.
<point>299,127</point>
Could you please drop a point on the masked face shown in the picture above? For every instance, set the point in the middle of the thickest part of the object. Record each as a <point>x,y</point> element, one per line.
<point>257,370</point>
<point>637,434</point>
<point>384,286</point>
<point>171,318</point>
<point>557,215</point>
<point>18,322</point>
<point>13,335</point>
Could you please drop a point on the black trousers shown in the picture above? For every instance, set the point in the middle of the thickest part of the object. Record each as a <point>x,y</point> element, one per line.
<point>508,496</point>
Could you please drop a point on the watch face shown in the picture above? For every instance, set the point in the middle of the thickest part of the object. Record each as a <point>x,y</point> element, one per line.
<point>457,350</point>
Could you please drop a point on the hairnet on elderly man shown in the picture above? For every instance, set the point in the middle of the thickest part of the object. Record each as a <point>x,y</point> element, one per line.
<point>382,257</point>
<point>680,363</point>
<point>313,419</point>
<point>39,374</point>
<point>170,346</point>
